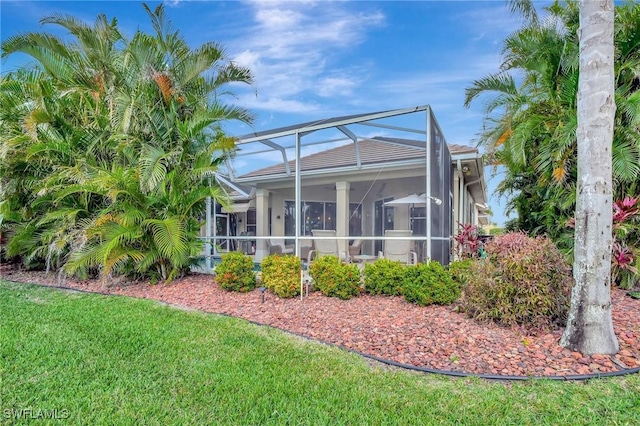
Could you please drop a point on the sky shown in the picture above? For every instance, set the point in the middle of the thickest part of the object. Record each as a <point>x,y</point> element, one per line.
<point>320,59</point>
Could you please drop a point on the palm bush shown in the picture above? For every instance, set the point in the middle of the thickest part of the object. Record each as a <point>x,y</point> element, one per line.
<point>108,147</point>
<point>531,116</point>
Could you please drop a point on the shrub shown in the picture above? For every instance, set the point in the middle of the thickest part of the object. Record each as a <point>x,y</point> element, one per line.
<point>235,272</point>
<point>384,276</point>
<point>281,275</point>
<point>459,270</point>
<point>524,281</point>
<point>335,279</point>
<point>467,241</point>
<point>430,283</point>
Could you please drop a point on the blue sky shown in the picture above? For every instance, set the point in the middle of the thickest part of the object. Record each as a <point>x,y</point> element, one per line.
<point>319,59</point>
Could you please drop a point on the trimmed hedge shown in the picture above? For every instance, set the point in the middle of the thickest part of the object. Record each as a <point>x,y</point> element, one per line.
<point>235,272</point>
<point>335,279</point>
<point>430,283</point>
<point>281,275</point>
<point>384,276</point>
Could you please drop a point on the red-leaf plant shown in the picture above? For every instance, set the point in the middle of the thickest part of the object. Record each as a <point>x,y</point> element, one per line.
<point>623,256</point>
<point>467,240</point>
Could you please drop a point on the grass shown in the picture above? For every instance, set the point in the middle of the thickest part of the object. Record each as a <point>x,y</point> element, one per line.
<point>116,360</point>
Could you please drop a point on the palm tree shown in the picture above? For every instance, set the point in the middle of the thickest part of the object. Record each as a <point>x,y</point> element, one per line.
<point>131,149</point>
<point>589,326</point>
<point>531,115</point>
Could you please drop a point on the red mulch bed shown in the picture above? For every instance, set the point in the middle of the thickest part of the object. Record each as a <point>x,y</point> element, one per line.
<point>434,337</point>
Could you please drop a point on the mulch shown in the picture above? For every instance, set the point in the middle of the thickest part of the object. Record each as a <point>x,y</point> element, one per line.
<point>434,337</point>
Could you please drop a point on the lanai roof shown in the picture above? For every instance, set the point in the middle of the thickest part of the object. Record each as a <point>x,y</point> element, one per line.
<point>377,150</point>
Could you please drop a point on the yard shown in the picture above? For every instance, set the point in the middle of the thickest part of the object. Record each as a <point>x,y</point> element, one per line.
<point>102,359</point>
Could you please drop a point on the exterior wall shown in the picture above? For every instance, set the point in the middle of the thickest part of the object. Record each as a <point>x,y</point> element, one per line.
<point>367,188</point>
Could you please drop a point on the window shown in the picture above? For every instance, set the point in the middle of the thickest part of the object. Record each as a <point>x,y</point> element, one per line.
<point>419,221</point>
<point>355,219</point>
<point>313,215</point>
<point>251,222</point>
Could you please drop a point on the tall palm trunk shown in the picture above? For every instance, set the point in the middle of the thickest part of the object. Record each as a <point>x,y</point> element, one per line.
<point>589,327</point>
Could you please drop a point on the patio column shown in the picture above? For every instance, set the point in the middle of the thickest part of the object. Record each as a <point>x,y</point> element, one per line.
<point>342,214</point>
<point>262,223</point>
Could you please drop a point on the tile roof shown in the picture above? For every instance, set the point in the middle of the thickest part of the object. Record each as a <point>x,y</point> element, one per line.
<point>372,151</point>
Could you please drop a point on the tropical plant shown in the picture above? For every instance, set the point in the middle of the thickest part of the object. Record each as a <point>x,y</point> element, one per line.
<point>108,146</point>
<point>467,241</point>
<point>531,114</point>
<point>626,240</point>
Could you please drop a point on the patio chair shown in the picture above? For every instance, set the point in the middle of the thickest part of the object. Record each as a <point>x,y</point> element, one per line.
<point>355,248</point>
<point>326,247</point>
<point>278,246</point>
<point>306,245</point>
<point>399,250</point>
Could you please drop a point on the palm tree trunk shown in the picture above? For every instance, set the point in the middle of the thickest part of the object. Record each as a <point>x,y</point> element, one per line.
<point>589,327</point>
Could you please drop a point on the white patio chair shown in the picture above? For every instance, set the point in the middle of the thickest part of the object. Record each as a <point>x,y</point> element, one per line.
<point>306,245</point>
<point>277,246</point>
<point>355,248</point>
<point>326,247</point>
<point>399,250</point>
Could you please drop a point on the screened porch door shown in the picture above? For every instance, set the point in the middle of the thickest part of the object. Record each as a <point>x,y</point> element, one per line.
<point>383,217</point>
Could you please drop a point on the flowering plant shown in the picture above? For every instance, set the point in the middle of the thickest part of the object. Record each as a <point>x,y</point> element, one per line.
<point>626,233</point>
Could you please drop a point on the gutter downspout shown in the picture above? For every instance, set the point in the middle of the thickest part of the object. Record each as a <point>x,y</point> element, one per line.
<point>461,196</point>
<point>466,185</point>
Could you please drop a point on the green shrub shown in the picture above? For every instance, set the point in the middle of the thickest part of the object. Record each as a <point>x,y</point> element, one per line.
<point>430,283</point>
<point>524,281</point>
<point>384,276</point>
<point>281,275</point>
<point>335,279</point>
<point>235,272</point>
<point>459,270</point>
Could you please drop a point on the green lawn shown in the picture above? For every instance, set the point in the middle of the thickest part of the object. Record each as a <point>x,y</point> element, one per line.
<point>115,360</point>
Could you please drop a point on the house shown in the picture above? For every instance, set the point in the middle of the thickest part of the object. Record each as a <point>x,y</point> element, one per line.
<point>344,174</point>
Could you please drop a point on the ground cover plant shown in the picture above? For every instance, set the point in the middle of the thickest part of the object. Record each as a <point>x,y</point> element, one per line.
<point>104,359</point>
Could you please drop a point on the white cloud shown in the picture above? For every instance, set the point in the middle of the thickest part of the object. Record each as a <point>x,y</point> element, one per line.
<point>277,104</point>
<point>172,3</point>
<point>293,47</point>
<point>337,86</point>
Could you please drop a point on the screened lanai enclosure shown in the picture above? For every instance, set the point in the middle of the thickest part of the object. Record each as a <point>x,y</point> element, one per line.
<point>362,182</point>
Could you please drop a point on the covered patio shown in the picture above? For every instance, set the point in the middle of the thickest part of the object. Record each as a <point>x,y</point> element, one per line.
<point>343,174</point>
